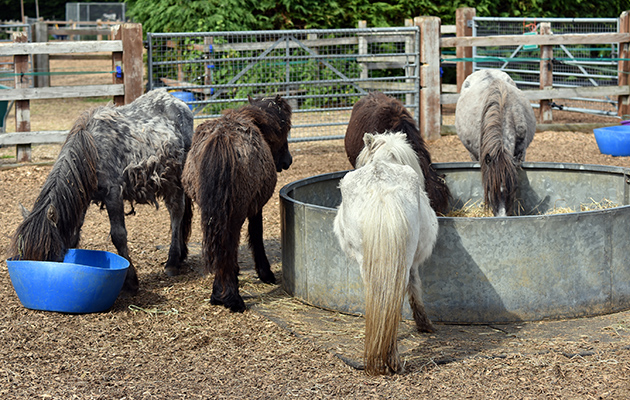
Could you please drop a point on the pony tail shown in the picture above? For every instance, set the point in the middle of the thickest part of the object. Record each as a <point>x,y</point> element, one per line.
<point>385,235</point>
<point>54,224</point>
<point>497,165</point>
<point>219,162</point>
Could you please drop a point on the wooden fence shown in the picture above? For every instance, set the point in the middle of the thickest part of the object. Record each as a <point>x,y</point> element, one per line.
<point>126,54</point>
<point>126,51</point>
<point>463,43</point>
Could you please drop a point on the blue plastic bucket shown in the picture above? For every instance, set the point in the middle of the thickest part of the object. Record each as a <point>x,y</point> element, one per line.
<point>86,281</point>
<point>613,140</point>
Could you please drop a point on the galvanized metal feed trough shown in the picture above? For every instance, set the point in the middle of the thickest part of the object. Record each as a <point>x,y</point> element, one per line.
<point>482,270</point>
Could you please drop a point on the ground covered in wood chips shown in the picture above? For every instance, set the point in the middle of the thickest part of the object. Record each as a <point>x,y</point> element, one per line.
<point>169,342</point>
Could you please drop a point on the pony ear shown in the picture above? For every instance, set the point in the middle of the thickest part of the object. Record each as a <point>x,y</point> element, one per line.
<point>249,99</point>
<point>24,211</point>
<point>368,139</point>
<point>278,98</point>
<point>51,215</point>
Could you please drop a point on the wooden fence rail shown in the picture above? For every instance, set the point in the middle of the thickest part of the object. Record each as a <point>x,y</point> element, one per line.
<point>126,54</point>
<point>463,43</point>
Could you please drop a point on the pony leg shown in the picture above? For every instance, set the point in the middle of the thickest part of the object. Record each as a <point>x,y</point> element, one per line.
<point>186,227</point>
<point>225,286</point>
<point>176,206</point>
<point>118,231</point>
<point>423,323</point>
<point>255,229</point>
<point>225,292</point>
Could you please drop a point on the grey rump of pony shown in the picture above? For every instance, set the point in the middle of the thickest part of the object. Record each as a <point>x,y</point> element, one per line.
<point>385,223</point>
<point>231,172</point>
<point>379,113</point>
<point>135,153</point>
<point>496,124</point>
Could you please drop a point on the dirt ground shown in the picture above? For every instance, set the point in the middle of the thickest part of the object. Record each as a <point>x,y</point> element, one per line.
<point>168,342</point>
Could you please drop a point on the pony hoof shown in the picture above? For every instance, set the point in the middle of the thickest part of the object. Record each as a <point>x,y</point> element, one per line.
<point>269,278</point>
<point>131,286</point>
<point>238,305</point>
<point>426,328</point>
<point>171,271</point>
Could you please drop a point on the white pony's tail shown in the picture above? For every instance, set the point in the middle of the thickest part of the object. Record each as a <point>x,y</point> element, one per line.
<point>386,274</point>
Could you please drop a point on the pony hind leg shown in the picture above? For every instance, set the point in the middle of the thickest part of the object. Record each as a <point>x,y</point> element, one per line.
<point>225,286</point>
<point>180,211</point>
<point>221,257</point>
<point>225,292</point>
<point>256,243</point>
<point>118,231</point>
<point>423,323</point>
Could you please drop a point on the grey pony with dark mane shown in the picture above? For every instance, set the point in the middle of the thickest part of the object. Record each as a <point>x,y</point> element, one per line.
<point>496,123</point>
<point>134,152</point>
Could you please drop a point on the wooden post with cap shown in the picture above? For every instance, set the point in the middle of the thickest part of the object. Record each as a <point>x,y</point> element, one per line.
<point>430,88</point>
<point>22,107</point>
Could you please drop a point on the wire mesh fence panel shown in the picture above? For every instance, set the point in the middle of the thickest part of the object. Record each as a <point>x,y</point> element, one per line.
<point>573,65</point>
<point>7,76</point>
<point>322,73</point>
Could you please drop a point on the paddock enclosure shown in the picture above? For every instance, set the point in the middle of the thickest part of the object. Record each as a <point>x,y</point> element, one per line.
<point>169,342</point>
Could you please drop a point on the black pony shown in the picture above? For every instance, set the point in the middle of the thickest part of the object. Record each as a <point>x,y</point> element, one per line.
<point>231,173</point>
<point>112,154</point>
<point>379,113</point>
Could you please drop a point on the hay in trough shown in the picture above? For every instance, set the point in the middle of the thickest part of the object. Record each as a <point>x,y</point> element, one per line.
<point>477,209</point>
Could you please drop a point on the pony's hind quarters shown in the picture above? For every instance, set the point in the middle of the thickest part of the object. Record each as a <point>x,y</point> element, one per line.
<point>231,172</point>
<point>385,222</point>
<point>496,124</point>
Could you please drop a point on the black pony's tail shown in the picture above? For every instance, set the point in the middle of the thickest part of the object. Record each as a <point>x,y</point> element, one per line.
<point>55,221</point>
<point>221,232</point>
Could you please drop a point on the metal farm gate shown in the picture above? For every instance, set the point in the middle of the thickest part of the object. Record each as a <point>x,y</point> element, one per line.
<point>576,65</point>
<point>321,72</point>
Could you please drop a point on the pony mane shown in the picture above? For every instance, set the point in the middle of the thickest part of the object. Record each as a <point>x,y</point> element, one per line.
<point>391,147</point>
<point>67,189</point>
<point>276,117</point>
<point>497,164</point>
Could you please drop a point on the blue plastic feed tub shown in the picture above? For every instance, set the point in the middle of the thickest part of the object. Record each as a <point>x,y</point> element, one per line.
<point>613,140</point>
<point>186,97</point>
<point>86,281</point>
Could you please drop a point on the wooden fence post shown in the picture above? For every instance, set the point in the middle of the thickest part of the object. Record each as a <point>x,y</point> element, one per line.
<point>22,107</point>
<point>128,62</point>
<point>430,113</point>
<point>409,71</point>
<point>117,64</point>
<point>133,65</point>
<point>623,108</point>
<point>41,63</point>
<point>464,68</point>
<point>363,47</point>
<point>545,115</point>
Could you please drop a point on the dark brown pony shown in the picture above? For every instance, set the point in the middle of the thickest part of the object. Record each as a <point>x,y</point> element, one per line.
<point>379,113</point>
<point>112,154</point>
<point>231,173</point>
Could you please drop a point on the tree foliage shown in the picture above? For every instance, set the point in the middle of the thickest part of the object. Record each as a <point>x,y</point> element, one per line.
<point>240,15</point>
